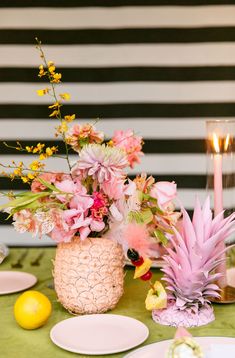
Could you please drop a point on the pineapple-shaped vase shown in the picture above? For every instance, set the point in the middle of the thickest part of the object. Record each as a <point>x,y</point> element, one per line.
<point>88,275</point>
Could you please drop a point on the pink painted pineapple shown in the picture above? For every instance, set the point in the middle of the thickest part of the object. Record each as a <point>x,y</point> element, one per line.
<point>189,267</point>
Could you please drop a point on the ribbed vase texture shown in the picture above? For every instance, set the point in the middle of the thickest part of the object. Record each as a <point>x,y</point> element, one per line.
<point>88,275</point>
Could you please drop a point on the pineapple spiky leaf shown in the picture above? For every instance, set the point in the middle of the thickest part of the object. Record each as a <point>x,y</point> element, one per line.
<point>196,252</point>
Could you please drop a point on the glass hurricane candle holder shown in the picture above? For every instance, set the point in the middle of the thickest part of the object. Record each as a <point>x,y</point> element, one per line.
<point>221,183</point>
<point>221,164</point>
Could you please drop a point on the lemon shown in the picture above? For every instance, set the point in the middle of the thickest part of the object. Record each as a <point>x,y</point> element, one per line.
<point>32,309</point>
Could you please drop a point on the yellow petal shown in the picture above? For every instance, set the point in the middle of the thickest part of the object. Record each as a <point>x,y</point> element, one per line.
<point>141,270</point>
<point>156,297</point>
<point>69,118</point>
<point>65,96</point>
<point>49,151</point>
<point>40,92</point>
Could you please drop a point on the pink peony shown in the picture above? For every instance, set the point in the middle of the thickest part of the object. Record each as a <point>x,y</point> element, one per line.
<point>164,192</point>
<point>100,162</point>
<point>130,143</point>
<point>80,135</point>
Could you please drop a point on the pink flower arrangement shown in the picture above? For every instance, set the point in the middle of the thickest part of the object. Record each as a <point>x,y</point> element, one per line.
<point>130,143</point>
<point>95,197</point>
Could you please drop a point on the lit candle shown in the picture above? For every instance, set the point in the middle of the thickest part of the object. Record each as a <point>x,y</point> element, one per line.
<point>218,177</point>
<point>218,202</point>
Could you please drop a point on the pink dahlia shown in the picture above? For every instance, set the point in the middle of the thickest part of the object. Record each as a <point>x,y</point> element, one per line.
<point>130,143</point>
<point>101,162</point>
<point>80,135</point>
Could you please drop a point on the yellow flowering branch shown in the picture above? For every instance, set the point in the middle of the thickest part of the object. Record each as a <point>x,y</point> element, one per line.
<point>54,78</point>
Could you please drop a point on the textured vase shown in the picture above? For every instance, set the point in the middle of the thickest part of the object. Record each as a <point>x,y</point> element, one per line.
<point>88,275</point>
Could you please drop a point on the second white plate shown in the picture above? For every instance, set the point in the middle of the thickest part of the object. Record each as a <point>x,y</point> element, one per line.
<point>159,349</point>
<point>99,334</point>
<point>15,281</point>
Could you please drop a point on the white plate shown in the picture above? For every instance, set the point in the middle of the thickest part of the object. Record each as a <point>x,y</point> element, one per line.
<point>99,334</point>
<point>15,281</point>
<point>159,349</point>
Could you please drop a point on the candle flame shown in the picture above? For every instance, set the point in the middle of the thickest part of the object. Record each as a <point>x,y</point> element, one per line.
<point>226,142</point>
<point>216,143</point>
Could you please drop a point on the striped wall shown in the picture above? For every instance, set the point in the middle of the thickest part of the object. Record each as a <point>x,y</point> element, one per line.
<point>160,67</point>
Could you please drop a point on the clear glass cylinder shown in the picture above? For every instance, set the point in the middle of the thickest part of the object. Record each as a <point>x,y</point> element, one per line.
<point>221,164</point>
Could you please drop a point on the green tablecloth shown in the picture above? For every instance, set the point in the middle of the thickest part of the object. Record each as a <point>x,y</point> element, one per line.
<point>20,343</point>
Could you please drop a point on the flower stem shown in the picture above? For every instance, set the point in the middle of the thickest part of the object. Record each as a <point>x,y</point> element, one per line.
<point>59,116</point>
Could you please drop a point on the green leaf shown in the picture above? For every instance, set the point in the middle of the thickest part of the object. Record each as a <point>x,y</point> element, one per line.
<point>136,216</point>
<point>48,185</point>
<point>144,216</point>
<point>161,237</point>
<point>24,200</point>
<point>149,198</point>
<point>32,206</point>
<point>156,210</point>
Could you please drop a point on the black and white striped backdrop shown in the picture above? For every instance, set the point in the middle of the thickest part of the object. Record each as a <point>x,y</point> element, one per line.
<point>160,67</point>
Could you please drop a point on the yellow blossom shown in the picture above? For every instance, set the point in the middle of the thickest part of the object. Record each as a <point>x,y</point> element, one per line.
<point>54,113</point>
<point>50,63</point>
<point>55,105</point>
<point>65,96</point>
<point>51,151</point>
<point>35,165</point>
<point>31,176</point>
<point>25,179</point>
<point>56,78</point>
<point>110,143</point>
<point>43,92</point>
<point>38,148</point>
<point>18,172</point>
<point>42,156</point>
<point>62,128</point>
<point>69,118</point>
<point>51,69</point>
<point>41,71</point>
<point>29,149</point>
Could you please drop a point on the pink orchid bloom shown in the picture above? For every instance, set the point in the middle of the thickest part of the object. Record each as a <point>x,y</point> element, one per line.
<point>164,192</point>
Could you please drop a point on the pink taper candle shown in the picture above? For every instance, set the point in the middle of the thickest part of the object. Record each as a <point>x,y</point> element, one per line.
<point>218,203</point>
<point>218,184</point>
